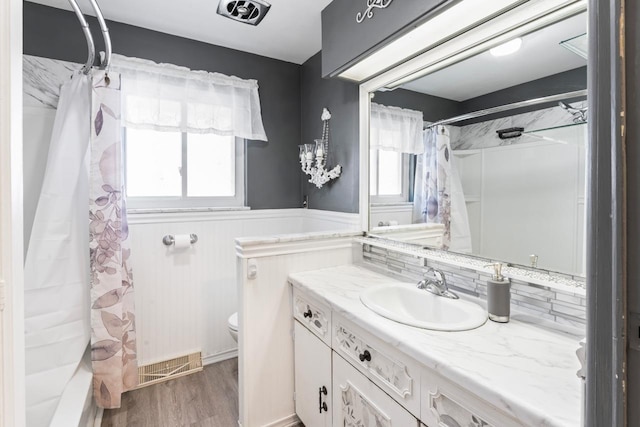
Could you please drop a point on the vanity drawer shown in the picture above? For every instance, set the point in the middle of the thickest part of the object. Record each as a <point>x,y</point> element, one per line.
<point>397,374</point>
<point>357,402</point>
<point>446,404</point>
<point>312,314</point>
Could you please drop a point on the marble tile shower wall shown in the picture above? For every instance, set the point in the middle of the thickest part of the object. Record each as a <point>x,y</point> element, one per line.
<point>483,135</point>
<point>543,302</point>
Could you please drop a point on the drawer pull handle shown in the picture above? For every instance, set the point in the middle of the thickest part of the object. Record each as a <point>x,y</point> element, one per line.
<point>365,356</point>
<point>307,313</point>
<point>323,405</point>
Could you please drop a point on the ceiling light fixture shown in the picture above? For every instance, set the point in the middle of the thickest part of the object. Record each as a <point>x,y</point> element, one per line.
<point>512,46</point>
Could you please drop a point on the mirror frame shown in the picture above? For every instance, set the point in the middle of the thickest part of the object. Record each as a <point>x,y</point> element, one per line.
<point>487,33</point>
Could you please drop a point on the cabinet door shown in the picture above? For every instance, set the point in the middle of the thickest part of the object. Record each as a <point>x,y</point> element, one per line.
<point>313,315</point>
<point>357,402</point>
<point>446,404</point>
<point>392,371</point>
<point>312,378</point>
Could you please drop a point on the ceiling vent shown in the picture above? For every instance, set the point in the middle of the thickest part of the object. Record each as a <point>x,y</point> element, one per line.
<point>247,11</point>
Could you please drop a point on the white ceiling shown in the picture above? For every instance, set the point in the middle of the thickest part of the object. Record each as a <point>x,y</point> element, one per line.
<point>540,56</point>
<point>289,32</point>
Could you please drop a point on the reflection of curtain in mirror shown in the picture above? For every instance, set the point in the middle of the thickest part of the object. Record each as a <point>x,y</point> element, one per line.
<point>432,197</point>
<point>460,229</point>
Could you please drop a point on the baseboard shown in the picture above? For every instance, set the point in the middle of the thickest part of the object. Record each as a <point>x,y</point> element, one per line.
<point>290,421</point>
<point>97,422</point>
<point>219,357</point>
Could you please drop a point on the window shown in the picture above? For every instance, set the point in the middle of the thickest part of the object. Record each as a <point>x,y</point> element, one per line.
<point>173,118</point>
<point>179,169</point>
<point>388,176</point>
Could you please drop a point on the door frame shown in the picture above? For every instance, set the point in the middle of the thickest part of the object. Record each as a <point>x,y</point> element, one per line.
<point>605,398</point>
<point>12,396</point>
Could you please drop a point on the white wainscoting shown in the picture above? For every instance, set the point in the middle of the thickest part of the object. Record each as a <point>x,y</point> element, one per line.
<point>391,214</point>
<point>265,359</point>
<point>184,297</point>
<point>317,220</point>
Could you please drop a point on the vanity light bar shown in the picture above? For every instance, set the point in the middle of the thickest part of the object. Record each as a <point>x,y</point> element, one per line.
<point>485,37</point>
<point>459,20</point>
<point>455,19</point>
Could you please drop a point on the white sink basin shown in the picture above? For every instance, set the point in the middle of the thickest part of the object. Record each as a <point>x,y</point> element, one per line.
<point>404,303</point>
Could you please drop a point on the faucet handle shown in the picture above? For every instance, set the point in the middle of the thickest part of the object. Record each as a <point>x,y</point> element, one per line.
<point>437,274</point>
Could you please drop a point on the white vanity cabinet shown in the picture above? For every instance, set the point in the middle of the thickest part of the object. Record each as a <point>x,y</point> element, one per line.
<point>312,378</point>
<point>498,375</point>
<point>370,383</point>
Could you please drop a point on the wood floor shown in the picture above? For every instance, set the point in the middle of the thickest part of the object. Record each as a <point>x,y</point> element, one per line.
<point>204,399</point>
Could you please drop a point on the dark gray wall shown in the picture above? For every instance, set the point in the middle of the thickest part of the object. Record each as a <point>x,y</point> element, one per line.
<point>433,108</point>
<point>567,81</point>
<point>272,168</point>
<point>344,41</point>
<point>341,98</point>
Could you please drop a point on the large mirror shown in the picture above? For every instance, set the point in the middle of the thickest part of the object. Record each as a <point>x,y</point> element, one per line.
<point>493,147</point>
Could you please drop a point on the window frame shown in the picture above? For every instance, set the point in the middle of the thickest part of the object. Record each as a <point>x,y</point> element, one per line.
<point>403,197</point>
<point>190,202</point>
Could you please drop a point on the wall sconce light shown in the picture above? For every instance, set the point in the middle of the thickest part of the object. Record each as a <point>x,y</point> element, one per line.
<point>319,152</point>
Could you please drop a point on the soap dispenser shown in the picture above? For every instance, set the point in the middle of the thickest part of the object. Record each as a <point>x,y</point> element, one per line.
<point>498,295</point>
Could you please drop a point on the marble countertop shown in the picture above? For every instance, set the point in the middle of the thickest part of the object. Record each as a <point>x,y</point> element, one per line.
<point>296,237</point>
<point>521,367</point>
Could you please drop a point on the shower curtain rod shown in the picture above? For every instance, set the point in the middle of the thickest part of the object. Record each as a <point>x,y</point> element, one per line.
<point>512,106</point>
<point>91,49</point>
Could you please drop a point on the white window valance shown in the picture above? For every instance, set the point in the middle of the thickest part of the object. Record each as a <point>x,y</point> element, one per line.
<point>168,97</point>
<point>396,129</point>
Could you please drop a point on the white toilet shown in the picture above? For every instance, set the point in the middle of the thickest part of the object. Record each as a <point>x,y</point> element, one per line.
<point>233,326</point>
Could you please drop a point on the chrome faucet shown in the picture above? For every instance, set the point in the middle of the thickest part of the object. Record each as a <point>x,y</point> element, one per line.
<point>436,284</point>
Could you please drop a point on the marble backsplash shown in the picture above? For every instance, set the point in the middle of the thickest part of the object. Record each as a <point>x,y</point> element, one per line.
<point>564,304</point>
<point>483,135</point>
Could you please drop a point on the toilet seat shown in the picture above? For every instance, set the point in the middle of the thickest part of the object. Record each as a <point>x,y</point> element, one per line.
<point>233,322</point>
<point>233,326</point>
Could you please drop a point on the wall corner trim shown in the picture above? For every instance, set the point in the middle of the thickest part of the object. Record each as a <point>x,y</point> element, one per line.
<point>2,285</point>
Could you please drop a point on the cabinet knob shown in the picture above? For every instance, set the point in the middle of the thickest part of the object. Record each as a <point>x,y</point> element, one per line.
<point>365,356</point>
<point>308,313</point>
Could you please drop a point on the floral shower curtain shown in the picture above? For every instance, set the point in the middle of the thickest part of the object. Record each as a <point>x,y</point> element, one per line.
<point>113,336</point>
<point>432,193</point>
<point>74,294</point>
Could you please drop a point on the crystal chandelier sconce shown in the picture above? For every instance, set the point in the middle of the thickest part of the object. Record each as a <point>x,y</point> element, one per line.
<point>313,157</point>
